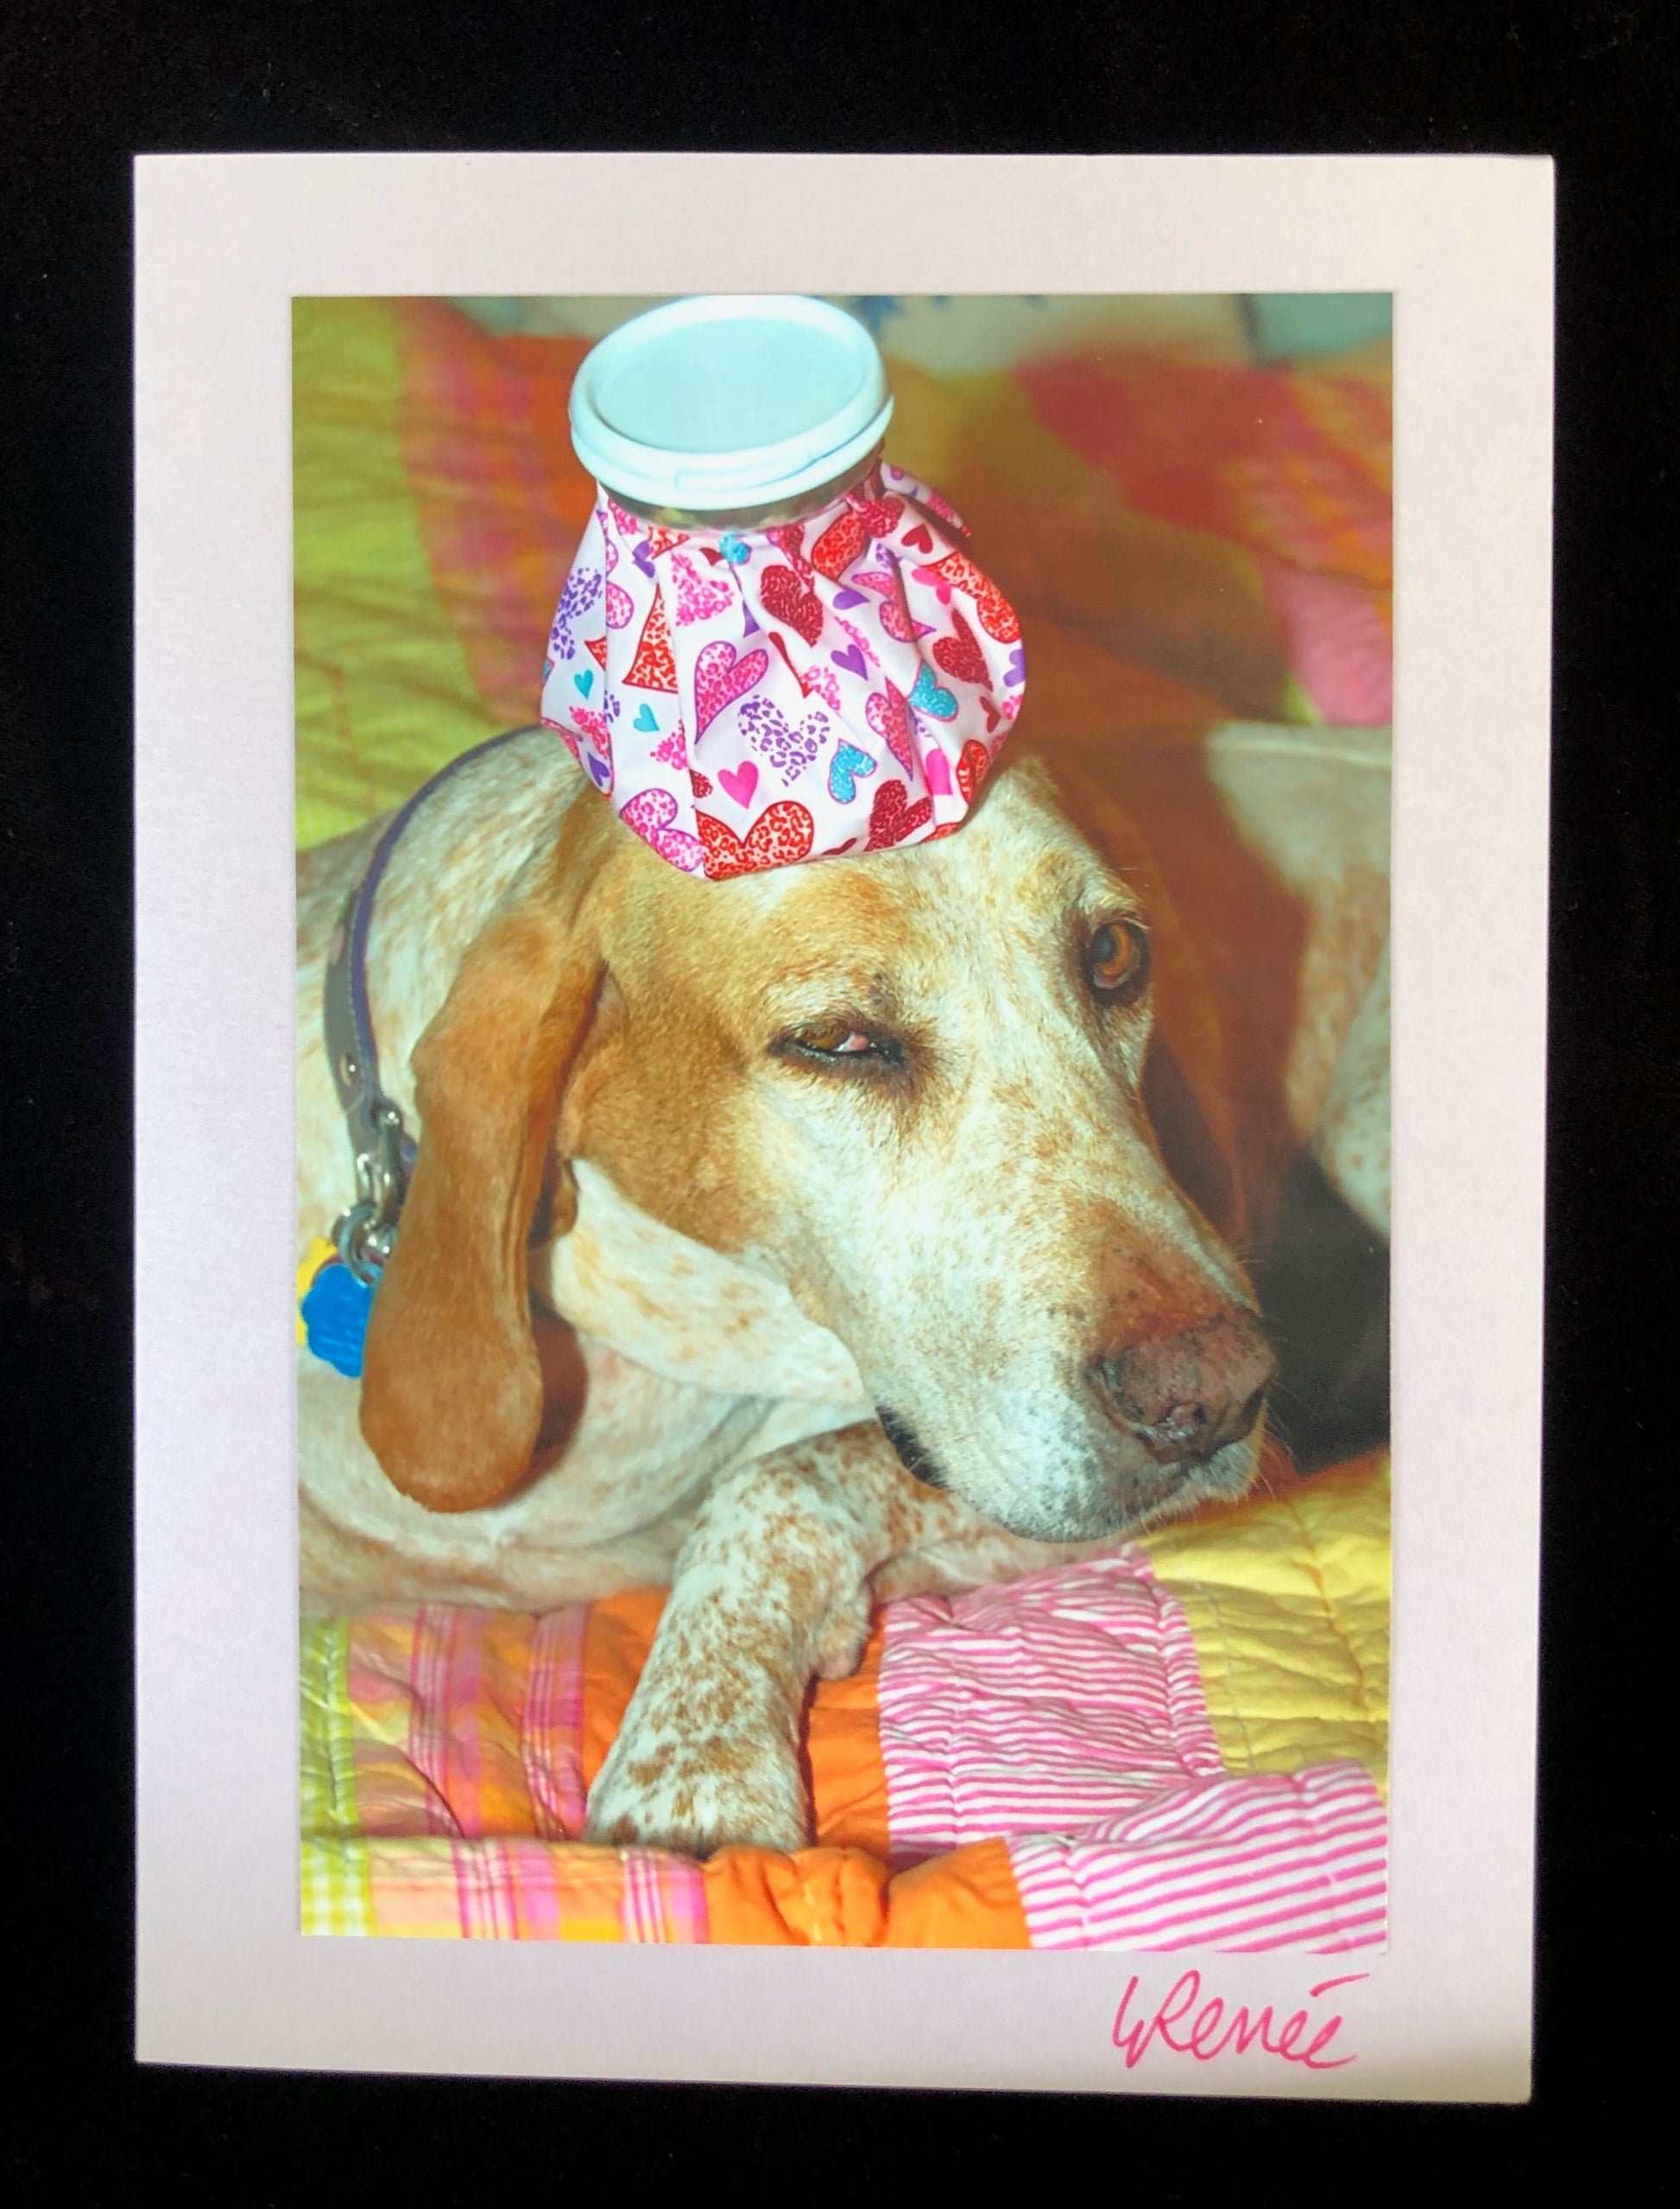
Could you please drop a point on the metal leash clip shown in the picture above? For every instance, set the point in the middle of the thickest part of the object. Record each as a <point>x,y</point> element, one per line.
<point>364,1235</point>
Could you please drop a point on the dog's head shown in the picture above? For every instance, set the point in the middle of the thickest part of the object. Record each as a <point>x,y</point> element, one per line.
<point>911,1086</point>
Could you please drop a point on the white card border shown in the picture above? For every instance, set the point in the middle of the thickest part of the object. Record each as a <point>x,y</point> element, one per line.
<point>223,244</point>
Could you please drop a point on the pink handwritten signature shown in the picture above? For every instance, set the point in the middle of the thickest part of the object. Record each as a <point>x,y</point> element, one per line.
<point>1212,2031</point>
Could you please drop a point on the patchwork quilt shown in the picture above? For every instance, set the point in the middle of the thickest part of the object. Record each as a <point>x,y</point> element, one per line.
<point>1178,1744</point>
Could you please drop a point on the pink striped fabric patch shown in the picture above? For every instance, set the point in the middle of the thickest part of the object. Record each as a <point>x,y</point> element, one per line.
<point>1065,1713</point>
<point>1256,1861</point>
<point>1039,1706</point>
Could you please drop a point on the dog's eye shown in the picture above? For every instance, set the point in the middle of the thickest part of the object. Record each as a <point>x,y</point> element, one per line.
<point>1117,961</point>
<point>840,1040</point>
<point>835,1039</point>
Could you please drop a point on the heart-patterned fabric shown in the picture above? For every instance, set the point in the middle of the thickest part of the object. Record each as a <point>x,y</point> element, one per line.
<point>753,699</point>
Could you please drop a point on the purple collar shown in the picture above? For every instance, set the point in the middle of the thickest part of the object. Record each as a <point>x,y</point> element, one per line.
<point>383,1149</point>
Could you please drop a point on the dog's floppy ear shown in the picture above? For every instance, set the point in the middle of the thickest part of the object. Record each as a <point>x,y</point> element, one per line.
<point>1186,1079</point>
<point>451,1389</point>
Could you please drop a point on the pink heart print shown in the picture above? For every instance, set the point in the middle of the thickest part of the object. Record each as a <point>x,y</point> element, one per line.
<point>896,620</point>
<point>698,600</point>
<point>911,658</point>
<point>720,678</point>
<point>739,782</point>
<point>651,813</point>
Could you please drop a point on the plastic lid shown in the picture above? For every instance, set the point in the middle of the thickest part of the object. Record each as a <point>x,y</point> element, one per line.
<point>718,403</point>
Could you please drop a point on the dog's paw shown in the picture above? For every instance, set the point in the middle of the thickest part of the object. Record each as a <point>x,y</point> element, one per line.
<point>723,1789</point>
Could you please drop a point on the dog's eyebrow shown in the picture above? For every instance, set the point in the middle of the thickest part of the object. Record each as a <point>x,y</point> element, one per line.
<point>1111,892</point>
<point>881,998</point>
<point>833,993</point>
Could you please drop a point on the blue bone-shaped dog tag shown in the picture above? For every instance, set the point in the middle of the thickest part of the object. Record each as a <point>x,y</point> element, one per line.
<point>335,1317</point>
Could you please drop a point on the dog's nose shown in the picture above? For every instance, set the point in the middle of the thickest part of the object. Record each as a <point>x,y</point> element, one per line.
<point>1186,1395</point>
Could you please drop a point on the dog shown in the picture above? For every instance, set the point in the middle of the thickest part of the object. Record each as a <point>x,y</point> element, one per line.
<point>795,1242</point>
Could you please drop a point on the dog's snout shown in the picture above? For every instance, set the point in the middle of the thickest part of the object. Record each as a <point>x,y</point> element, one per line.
<point>1186,1395</point>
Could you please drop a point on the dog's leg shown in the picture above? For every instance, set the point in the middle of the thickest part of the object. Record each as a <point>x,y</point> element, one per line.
<point>771,1587</point>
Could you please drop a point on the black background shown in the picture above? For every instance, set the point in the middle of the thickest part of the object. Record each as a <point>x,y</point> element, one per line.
<point>83,88</point>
